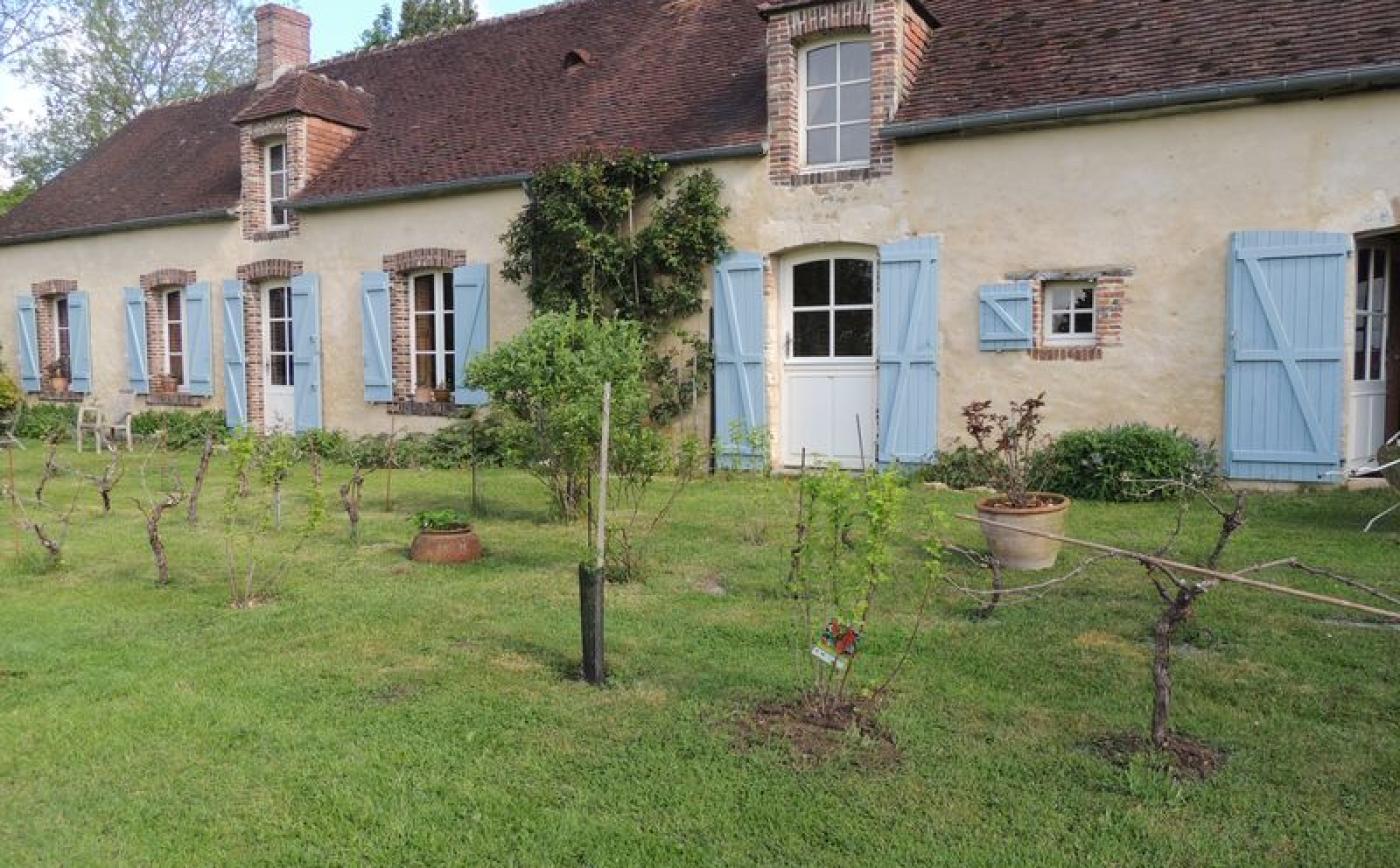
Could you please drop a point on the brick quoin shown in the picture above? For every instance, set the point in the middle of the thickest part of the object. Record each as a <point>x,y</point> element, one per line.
<point>400,266</point>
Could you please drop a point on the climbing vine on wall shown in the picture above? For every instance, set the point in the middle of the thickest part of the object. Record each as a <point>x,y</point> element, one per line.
<point>621,235</point>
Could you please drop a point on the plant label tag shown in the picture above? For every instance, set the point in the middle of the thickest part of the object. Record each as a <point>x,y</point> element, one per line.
<point>828,658</point>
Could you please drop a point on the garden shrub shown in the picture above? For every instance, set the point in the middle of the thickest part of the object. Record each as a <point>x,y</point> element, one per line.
<point>960,468</point>
<point>42,421</point>
<point>1113,463</point>
<point>546,386</point>
<point>10,395</point>
<point>182,430</point>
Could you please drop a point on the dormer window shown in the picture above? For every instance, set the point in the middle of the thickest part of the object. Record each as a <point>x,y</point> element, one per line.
<point>275,159</point>
<point>836,104</point>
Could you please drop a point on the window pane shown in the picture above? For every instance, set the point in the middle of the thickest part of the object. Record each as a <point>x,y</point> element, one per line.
<point>1376,364</point>
<point>821,106</point>
<point>426,375</point>
<point>450,366</point>
<point>61,312</point>
<point>1059,324</point>
<point>277,158</point>
<point>447,304</point>
<point>279,370</point>
<point>855,60</point>
<point>423,300</point>
<point>277,303</point>
<point>175,338</point>
<point>279,215</point>
<point>853,281</point>
<point>821,65</point>
<point>854,332</point>
<point>1378,263</point>
<point>449,333</point>
<point>172,307</point>
<point>821,146</point>
<point>426,332</point>
<point>177,370</point>
<point>1358,370</point>
<point>279,337</point>
<point>811,284</point>
<point>1084,323</point>
<point>855,102</point>
<point>278,184</point>
<point>855,143</point>
<point>811,334</point>
<point>1084,298</point>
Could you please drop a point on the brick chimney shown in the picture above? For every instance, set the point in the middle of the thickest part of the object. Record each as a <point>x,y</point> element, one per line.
<point>284,42</point>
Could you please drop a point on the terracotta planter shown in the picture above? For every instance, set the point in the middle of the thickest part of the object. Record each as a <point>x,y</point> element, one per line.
<point>423,394</point>
<point>446,547</point>
<point>163,384</point>
<point>1020,551</point>
<point>58,385</point>
<point>442,396</point>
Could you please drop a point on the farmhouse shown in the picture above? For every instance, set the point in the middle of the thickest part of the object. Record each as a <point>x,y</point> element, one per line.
<point>1172,211</point>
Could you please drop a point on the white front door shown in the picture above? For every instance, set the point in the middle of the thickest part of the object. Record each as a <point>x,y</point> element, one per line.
<point>1368,374</point>
<point>830,382</point>
<point>279,394</point>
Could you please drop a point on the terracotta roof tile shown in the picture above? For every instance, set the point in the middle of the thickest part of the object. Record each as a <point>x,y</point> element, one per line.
<point>312,94</point>
<point>667,76</point>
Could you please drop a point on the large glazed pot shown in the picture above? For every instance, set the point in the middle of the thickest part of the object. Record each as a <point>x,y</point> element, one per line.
<point>1022,551</point>
<point>460,546</point>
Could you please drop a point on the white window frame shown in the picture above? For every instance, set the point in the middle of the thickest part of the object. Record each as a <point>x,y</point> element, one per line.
<point>830,255</point>
<point>1375,316</point>
<point>179,293</point>
<point>268,175</point>
<point>802,130</point>
<point>268,322</point>
<point>62,334</point>
<point>1049,293</point>
<point>441,280</point>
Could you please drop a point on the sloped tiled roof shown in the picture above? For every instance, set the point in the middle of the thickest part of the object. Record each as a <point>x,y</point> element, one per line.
<point>668,76</point>
<point>311,93</point>
<point>1011,54</point>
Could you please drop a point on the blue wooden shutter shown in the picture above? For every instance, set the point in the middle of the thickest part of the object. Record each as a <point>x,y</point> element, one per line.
<point>134,307</point>
<point>907,350</point>
<point>374,316</point>
<point>80,342</point>
<point>741,404</point>
<point>29,373</point>
<point>199,339</point>
<point>471,318</point>
<point>1004,316</point>
<point>1285,359</point>
<point>306,351</point>
<point>235,358</point>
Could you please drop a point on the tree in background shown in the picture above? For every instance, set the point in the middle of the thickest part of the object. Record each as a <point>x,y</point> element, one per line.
<point>417,18</point>
<point>26,24</point>
<point>119,58</point>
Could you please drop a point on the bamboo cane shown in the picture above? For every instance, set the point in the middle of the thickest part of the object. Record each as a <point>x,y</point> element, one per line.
<point>1189,568</point>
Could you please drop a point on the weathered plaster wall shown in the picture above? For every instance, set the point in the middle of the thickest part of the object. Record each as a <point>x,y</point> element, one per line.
<point>1160,195</point>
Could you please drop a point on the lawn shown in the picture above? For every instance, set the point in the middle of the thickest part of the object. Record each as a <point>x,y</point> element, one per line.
<point>377,711</point>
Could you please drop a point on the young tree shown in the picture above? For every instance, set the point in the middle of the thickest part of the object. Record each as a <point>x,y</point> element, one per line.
<point>416,18</point>
<point>119,58</point>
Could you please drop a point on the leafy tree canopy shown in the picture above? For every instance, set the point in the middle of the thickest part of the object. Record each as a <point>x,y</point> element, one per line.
<point>416,18</point>
<point>119,58</point>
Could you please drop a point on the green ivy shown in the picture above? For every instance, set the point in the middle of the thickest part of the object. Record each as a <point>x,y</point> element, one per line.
<point>609,236</point>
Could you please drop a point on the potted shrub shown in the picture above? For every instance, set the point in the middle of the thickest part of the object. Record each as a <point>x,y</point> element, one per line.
<point>58,373</point>
<point>1009,445</point>
<point>445,536</point>
<point>423,394</point>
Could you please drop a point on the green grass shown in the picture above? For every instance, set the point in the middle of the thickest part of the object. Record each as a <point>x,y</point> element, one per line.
<point>381,712</point>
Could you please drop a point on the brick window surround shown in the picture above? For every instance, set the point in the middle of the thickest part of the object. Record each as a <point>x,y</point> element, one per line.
<point>253,141</point>
<point>256,277</point>
<point>1110,284</point>
<point>45,294</point>
<point>154,286</point>
<point>898,36</point>
<point>400,266</point>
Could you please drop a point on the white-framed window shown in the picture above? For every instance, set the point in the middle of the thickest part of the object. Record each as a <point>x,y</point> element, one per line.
<point>275,159</point>
<point>63,343</point>
<point>174,304</point>
<point>280,369</point>
<point>434,338</point>
<point>835,104</point>
<point>1372,294</point>
<point>833,309</point>
<point>1069,313</point>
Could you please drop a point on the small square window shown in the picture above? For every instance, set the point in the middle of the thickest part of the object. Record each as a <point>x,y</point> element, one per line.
<point>1069,313</point>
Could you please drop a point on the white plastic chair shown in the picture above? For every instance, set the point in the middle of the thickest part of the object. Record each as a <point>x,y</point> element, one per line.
<point>89,421</point>
<point>117,423</point>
